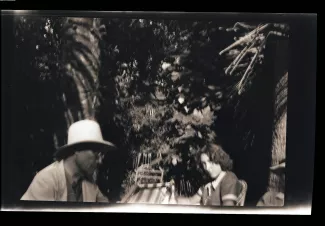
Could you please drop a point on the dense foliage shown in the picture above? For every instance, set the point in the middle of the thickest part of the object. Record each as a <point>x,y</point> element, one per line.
<point>162,90</point>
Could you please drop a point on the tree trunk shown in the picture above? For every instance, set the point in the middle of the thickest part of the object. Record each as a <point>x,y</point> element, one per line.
<point>280,113</point>
<point>79,80</point>
<point>81,54</point>
<point>279,134</point>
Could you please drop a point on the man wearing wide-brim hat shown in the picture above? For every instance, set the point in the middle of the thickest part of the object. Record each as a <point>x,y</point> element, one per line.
<point>273,198</point>
<point>72,176</point>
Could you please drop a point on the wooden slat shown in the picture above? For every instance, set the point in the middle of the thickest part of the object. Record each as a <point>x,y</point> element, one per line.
<point>155,185</point>
<point>150,177</point>
<point>135,186</point>
<point>149,172</point>
<point>147,195</point>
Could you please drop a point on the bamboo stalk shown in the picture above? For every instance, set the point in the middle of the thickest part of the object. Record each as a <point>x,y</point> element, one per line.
<point>235,60</point>
<point>242,57</point>
<point>250,65</point>
<point>246,38</point>
<point>246,26</point>
<point>246,73</point>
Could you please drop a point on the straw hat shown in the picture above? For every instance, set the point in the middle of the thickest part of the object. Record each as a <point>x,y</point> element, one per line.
<point>83,135</point>
<point>279,167</point>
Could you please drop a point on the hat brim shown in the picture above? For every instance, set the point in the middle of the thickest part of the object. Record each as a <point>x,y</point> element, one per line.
<point>278,168</point>
<point>100,146</point>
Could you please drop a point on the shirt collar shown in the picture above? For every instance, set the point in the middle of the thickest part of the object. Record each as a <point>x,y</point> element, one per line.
<point>214,184</point>
<point>71,180</point>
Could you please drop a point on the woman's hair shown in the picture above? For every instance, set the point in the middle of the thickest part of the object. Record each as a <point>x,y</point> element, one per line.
<point>217,155</point>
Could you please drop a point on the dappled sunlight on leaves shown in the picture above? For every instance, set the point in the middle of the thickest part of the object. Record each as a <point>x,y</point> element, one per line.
<point>156,86</point>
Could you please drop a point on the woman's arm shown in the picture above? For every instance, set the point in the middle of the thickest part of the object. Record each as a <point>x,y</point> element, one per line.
<point>194,200</point>
<point>230,189</point>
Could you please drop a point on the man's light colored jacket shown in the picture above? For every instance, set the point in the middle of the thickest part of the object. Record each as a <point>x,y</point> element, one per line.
<point>50,185</point>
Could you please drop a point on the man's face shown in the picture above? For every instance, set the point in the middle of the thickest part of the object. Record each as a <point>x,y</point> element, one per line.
<point>210,167</point>
<point>88,162</point>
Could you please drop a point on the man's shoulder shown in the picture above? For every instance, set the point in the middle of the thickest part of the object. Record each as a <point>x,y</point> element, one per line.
<point>48,171</point>
<point>272,198</point>
<point>275,195</point>
<point>270,195</point>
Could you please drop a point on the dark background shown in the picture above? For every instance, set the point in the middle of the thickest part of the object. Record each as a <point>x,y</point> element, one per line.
<point>300,132</point>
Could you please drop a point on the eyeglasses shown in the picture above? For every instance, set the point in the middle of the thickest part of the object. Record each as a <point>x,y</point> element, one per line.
<point>99,156</point>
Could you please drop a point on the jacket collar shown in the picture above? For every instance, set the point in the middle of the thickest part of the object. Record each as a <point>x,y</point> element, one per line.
<point>89,190</point>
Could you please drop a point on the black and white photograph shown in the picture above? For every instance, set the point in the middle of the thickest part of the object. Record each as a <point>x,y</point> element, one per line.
<point>151,111</point>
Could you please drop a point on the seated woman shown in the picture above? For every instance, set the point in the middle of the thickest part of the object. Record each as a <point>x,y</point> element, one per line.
<point>223,186</point>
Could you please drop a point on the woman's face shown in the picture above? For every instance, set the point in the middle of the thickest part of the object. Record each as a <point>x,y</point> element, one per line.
<point>210,167</point>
